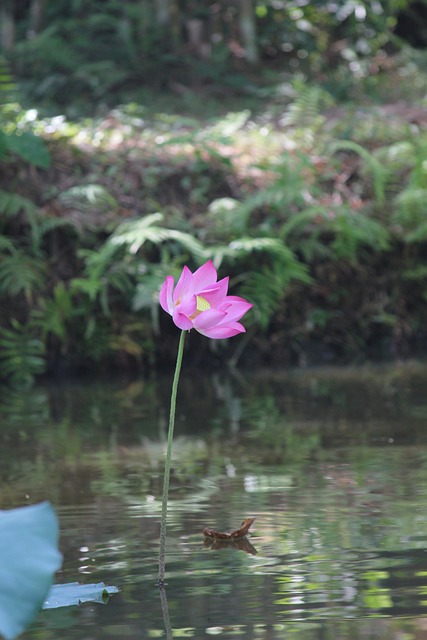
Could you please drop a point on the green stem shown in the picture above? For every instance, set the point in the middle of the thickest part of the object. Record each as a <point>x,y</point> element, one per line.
<point>162,554</point>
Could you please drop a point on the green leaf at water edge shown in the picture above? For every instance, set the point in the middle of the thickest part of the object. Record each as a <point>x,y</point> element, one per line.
<point>28,559</point>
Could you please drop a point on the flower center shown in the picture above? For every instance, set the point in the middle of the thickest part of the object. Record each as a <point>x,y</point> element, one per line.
<point>201,305</point>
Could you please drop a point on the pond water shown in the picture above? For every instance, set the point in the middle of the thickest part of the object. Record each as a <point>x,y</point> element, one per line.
<point>332,464</point>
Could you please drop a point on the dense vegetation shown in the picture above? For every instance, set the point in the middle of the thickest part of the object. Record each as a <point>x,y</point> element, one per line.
<point>287,152</point>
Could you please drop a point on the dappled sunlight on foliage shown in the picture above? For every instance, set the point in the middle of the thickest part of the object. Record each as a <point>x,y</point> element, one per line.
<point>301,205</point>
<point>304,184</point>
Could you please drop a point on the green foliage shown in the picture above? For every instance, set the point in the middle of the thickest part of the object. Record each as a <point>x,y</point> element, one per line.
<point>27,146</point>
<point>94,50</point>
<point>21,273</point>
<point>87,197</point>
<point>53,314</point>
<point>305,111</point>
<point>8,88</point>
<point>377,171</point>
<point>319,232</point>
<point>411,214</point>
<point>268,285</point>
<point>136,233</point>
<point>11,204</point>
<point>13,140</point>
<point>21,355</point>
<point>295,193</point>
<point>293,175</point>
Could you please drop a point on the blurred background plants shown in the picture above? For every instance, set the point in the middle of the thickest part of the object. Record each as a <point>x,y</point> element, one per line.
<point>314,206</point>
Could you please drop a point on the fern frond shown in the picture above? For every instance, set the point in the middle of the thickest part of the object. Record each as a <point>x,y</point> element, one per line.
<point>267,287</point>
<point>417,273</point>
<point>104,271</point>
<point>6,244</point>
<point>21,273</point>
<point>303,232</point>
<point>379,172</point>
<point>286,193</point>
<point>319,231</point>
<point>41,224</point>
<point>21,355</point>
<point>89,286</point>
<point>305,110</point>
<point>354,230</point>
<point>53,313</point>
<point>89,196</point>
<point>266,284</point>
<point>411,212</point>
<point>228,216</point>
<point>136,233</point>
<point>11,204</point>
<point>419,234</point>
<point>243,247</point>
<point>52,50</point>
<point>397,157</point>
<point>97,262</point>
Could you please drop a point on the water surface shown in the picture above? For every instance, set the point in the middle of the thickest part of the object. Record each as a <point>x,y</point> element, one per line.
<point>331,463</point>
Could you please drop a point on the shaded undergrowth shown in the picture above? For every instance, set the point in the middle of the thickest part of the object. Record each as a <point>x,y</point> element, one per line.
<point>316,211</point>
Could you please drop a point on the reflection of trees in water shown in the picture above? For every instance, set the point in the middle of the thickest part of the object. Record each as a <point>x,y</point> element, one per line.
<point>339,530</point>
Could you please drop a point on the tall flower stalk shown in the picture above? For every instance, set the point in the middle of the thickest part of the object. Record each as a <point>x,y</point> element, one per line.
<point>162,554</point>
<point>198,301</point>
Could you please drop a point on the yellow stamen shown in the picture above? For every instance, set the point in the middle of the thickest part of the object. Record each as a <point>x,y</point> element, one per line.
<point>202,304</point>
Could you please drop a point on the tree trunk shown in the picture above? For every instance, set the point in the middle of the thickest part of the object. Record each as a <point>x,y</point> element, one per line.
<point>7,26</point>
<point>36,17</point>
<point>162,12</point>
<point>248,30</point>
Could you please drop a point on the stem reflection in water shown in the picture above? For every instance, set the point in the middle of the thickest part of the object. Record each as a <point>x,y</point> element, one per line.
<point>165,612</point>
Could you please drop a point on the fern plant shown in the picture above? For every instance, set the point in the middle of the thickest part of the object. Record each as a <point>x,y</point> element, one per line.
<point>305,112</point>
<point>22,355</point>
<point>319,232</point>
<point>293,178</point>
<point>267,286</point>
<point>266,283</point>
<point>21,273</point>
<point>378,172</point>
<point>136,233</point>
<point>11,204</point>
<point>410,213</point>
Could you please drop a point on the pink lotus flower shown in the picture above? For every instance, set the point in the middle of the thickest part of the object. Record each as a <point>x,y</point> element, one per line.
<point>200,302</point>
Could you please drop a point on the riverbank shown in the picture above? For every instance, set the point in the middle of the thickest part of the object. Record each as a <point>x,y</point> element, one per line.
<point>315,210</point>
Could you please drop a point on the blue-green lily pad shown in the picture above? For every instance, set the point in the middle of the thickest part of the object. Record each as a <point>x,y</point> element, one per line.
<point>73,593</point>
<point>29,557</point>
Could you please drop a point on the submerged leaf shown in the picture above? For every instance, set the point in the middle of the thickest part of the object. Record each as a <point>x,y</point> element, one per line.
<point>73,593</point>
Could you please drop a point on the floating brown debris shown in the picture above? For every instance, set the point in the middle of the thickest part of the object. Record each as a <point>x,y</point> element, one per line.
<point>233,535</point>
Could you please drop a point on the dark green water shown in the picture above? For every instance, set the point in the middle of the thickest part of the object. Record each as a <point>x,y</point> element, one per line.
<point>332,464</point>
